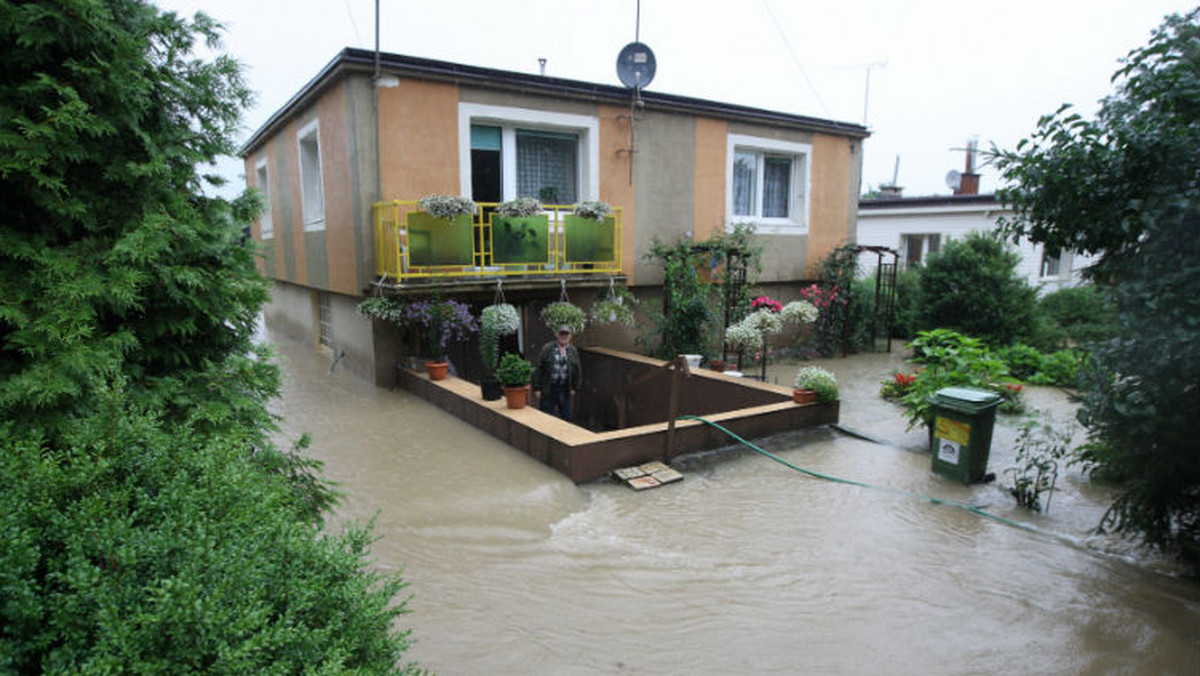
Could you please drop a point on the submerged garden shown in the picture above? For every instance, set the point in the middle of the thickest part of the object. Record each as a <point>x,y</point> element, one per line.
<point>154,523</point>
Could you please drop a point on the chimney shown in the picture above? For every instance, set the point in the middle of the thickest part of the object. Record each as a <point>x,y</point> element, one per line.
<point>968,184</point>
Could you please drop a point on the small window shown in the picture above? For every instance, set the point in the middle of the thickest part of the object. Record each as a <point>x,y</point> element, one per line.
<point>312,191</point>
<point>324,320</point>
<point>1050,265</point>
<point>916,248</point>
<point>767,182</point>
<point>266,224</point>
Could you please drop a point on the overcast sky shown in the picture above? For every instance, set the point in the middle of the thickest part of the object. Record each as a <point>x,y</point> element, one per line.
<point>942,72</point>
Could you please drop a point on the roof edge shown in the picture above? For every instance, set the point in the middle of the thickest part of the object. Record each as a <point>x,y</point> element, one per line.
<point>363,61</point>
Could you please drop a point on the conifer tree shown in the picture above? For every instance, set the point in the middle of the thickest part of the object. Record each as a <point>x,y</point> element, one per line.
<point>150,525</point>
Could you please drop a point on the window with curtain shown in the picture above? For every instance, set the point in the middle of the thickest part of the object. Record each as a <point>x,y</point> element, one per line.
<point>547,166</point>
<point>767,181</point>
<point>745,184</point>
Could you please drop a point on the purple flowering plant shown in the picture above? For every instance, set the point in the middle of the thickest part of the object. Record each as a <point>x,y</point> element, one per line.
<point>443,322</point>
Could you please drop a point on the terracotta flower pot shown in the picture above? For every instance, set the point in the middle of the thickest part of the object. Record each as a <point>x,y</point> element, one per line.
<point>804,396</point>
<point>717,365</point>
<point>437,369</point>
<point>516,397</point>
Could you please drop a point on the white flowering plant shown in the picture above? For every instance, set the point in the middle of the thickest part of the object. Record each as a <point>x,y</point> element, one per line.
<point>800,312</point>
<point>818,380</point>
<point>446,206</point>
<point>742,336</point>
<point>563,312</point>
<point>522,206</point>
<point>616,307</point>
<point>595,210</point>
<point>495,321</point>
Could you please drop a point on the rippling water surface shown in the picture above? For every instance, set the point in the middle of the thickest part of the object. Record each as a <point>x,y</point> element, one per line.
<point>746,566</point>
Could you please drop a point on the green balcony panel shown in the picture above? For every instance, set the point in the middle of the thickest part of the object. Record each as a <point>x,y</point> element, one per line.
<point>434,242</point>
<point>589,240</point>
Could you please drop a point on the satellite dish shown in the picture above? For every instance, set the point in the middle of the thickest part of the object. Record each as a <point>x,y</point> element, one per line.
<point>953,180</point>
<point>635,65</point>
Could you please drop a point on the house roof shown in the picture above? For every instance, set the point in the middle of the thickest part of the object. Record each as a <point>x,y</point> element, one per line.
<point>351,60</point>
<point>889,202</point>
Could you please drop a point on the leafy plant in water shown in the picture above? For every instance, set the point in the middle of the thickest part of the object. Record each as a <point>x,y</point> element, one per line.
<point>954,360</point>
<point>1040,450</point>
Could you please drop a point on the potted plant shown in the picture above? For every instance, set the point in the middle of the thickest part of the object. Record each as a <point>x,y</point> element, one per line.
<point>442,322</point>
<point>594,209</point>
<point>446,206</point>
<point>495,321</point>
<point>513,373</point>
<point>616,307</point>
<point>814,383</point>
<point>562,312</point>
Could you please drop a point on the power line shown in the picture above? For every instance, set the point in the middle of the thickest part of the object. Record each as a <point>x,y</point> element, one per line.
<point>796,60</point>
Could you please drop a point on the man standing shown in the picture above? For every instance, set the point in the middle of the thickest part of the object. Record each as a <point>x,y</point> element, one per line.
<point>557,374</point>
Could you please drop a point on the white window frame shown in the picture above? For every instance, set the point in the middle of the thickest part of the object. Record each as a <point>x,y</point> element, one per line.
<point>312,220</point>
<point>586,127</point>
<point>262,181</point>
<point>797,221</point>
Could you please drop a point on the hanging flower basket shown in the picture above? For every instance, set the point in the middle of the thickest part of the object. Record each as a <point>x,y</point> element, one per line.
<point>562,312</point>
<point>616,307</point>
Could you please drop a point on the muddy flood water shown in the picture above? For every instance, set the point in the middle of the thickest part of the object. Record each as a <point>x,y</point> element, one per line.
<point>745,567</point>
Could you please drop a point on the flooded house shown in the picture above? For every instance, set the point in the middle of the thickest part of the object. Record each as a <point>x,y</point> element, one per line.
<point>344,162</point>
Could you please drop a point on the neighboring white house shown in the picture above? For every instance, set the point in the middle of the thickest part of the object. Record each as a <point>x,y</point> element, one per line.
<point>918,226</point>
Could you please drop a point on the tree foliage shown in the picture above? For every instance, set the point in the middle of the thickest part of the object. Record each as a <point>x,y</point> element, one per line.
<point>149,522</point>
<point>1126,185</point>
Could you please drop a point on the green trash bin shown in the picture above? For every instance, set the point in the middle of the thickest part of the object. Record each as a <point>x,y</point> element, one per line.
<point>960,437</point>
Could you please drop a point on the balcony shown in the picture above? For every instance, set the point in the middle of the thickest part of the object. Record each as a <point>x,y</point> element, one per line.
<point>413,248</point>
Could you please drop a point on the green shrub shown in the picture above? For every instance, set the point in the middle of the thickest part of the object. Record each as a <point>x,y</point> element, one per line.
<point>1024,362</point>
<point>907,320</point>
<point>972,286</point>
<point>513,371</point>
<point>1081,314</point>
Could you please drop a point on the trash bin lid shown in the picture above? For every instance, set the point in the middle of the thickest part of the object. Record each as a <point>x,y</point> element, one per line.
<point>965,399</point>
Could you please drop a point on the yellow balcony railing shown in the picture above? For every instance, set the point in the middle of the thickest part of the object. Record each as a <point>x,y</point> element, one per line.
<point>410,244</point>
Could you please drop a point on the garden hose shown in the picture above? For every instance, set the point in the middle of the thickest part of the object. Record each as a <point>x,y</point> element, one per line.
<point>958,504</point>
